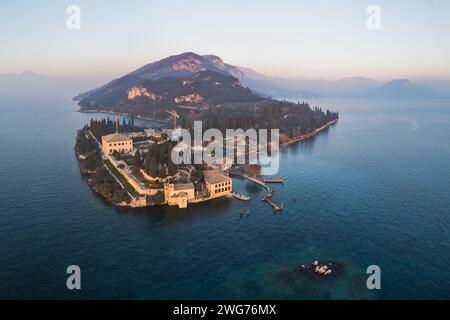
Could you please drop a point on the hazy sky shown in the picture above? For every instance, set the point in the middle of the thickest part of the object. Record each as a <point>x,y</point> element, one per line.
<point>295,39</point>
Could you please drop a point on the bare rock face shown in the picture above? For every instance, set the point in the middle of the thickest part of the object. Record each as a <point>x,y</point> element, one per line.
<point>191,98</point>
<point>135,92</point>
<point>190,64</point>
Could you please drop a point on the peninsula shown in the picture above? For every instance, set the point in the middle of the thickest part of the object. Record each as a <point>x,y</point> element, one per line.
<point>131,166</point>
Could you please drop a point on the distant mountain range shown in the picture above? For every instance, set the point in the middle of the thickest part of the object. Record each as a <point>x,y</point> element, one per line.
<point>351,87</point>
<point>347,87</point>
<point>402,89</point>
<point>187,64</point>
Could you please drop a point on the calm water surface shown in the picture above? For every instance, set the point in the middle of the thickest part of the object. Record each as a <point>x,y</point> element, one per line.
<point>373,189</point>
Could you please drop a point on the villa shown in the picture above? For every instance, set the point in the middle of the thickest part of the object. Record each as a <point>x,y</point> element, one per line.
<point>117,142</point>
<point>218,183</point>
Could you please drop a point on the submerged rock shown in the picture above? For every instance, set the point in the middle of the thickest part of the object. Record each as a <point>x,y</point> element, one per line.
<point>318,268</point>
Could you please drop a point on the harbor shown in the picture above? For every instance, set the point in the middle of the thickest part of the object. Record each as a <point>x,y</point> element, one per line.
<point>269,191</point>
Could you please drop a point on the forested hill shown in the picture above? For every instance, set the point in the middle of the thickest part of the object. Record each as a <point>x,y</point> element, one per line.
<point>152,97</point>
<point>292,119</point>
<point>201,87</point>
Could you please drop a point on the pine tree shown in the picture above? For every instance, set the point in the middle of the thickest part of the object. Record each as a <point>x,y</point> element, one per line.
<point>151,166</point>
<point>162,171</point>
<point>137,162</point>
<point>171,168</point>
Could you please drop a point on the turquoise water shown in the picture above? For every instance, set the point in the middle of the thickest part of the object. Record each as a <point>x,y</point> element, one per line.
<point>373,189</point>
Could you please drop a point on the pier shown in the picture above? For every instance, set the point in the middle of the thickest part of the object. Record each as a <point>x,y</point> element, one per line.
<point>269,179</point>
<point>268,197</point>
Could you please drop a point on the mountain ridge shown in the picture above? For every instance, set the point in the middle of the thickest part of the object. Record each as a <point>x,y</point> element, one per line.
<point>401,89</point>
<point>187,79</point>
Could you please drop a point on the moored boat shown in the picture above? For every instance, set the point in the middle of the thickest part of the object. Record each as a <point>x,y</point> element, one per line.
<point>241,197</point>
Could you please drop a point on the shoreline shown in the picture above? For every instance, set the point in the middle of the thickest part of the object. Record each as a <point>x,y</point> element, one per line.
<point>124,114</point>
<point>309,135</point>
<point>132,205</point>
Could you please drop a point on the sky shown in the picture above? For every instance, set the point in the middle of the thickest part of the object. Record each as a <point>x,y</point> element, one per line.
<point>284,38</point>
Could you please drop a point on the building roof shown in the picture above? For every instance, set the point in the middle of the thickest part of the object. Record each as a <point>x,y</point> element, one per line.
<point>115,137</point>
<point>215,176</point>
<point>183,186</point>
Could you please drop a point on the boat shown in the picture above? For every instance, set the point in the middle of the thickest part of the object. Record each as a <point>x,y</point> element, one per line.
<point>241,197</point>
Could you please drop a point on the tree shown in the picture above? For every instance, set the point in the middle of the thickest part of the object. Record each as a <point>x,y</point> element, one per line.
<point>171,168</point>
<point>162,171</point>
<point>151,166</point>
<point>137,162</point>
<point>162,153</point>
<point>116,155</point>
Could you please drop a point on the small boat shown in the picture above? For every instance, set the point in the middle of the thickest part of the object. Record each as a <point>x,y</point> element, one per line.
<point>241,197</point>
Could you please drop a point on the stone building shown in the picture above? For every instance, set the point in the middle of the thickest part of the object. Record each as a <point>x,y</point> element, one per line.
<point>117,142</point>
<point>179,194</point>
<point>218,183</point>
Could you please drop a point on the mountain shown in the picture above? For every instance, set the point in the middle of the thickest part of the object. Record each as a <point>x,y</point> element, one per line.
<point>30,84</point>
<point>189,63</point>
<point>185,80</point>
<point>401,89</point>
<point>182,65</point>
<point>194,80</point>
<point>202,88</point>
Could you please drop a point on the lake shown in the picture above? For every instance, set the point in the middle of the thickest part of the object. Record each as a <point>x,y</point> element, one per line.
<point>371,190</point>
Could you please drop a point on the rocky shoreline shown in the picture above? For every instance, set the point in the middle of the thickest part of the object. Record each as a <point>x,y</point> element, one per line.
<point>89,175</point>
<point>309,135</point>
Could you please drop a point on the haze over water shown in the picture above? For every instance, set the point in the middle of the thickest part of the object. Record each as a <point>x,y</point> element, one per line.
<point>371,190</point>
